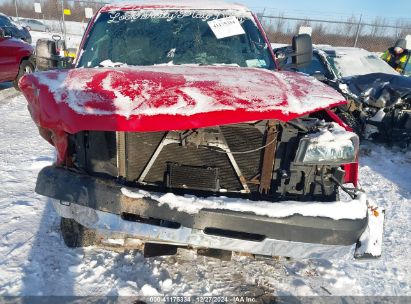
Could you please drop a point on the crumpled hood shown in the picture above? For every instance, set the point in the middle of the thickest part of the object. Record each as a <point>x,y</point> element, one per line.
<point>160,98</point>
<point>381,87</point>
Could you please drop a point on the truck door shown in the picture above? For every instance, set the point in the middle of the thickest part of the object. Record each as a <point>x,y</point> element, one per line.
<point>9,63</point>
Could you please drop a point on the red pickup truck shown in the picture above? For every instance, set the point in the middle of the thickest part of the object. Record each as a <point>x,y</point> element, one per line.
<point>16,58</point>
<point>175,127</point>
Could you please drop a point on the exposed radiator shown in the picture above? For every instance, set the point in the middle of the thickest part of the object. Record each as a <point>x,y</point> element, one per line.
<point>192,177</point>
<point>189,167</point>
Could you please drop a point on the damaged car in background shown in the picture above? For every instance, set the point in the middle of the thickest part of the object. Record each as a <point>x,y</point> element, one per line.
<point>379,100</point>
<point>175,128</point>
<point>380,106</point>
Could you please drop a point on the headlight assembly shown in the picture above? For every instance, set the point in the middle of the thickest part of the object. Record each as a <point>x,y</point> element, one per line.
<point>335,146</point>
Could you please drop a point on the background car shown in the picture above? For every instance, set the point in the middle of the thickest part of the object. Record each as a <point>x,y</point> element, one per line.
<point>349,61</point>
<point>13,29</point>
<point>380,97</point>
<point>35,25</point>
<point>16,58</point>
<point>332,63</point>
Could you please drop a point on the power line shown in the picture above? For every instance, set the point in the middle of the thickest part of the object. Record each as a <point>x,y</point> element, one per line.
<point>341,15</point>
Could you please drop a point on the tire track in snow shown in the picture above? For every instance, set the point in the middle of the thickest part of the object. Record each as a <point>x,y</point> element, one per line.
<point>8,94</point>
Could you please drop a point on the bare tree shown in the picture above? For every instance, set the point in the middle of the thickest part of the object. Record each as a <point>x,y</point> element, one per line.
<point>378,27</point>
<point>350,28</point>
<point>403,28</point>
<point>51,9</point>
<point>279,23</point>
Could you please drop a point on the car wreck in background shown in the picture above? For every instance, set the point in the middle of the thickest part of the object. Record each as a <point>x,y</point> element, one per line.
<point>384,110</point>
<point>379,97</point>
<point>174,128</point>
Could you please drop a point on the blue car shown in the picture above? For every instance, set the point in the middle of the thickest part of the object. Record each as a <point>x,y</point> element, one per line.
<point>14,30</point>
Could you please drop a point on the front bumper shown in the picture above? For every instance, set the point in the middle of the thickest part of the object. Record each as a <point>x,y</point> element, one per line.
<point>99,203</point>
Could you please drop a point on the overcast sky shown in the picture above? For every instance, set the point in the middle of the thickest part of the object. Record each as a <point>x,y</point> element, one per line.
<point>393,9</point>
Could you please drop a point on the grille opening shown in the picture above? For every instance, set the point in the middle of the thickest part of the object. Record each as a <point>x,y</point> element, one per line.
<point>150,220</point>
<point>234,234</point>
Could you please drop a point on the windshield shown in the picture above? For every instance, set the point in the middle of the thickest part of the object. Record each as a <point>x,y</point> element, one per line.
<point>333,66</point>
<point>353,62</point>
<point>4,21</point>
<point>174,37</point>
<point>407,69</point>
<point>316,66</point>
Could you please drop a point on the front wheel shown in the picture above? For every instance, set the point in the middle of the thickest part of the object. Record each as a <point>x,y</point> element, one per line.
<point>26,67</point>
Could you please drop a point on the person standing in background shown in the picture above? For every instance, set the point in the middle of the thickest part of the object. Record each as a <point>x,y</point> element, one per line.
<point>397,55</point>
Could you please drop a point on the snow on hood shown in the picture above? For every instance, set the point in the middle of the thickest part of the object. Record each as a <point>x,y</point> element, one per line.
<point>355,61</point>
<point>175,92</point>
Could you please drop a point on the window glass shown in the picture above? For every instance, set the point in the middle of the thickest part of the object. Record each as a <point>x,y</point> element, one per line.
<point>316,66</point>
<point>127,37</point>
<point>4,21</point>
<point>407,69</point>
<point>331,61</point>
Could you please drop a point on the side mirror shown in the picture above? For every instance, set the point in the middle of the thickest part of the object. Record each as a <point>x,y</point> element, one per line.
<point>303,50</point>
<point>2,33</point>
<point>48,55</point>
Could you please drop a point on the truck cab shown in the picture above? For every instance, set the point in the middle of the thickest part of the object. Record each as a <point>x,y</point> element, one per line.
<point>175,127</point>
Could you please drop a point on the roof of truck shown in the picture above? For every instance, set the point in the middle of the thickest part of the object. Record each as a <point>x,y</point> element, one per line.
<point>175,4</point>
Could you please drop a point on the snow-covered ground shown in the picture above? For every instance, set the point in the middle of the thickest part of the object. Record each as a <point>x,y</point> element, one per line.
<point>35,261</point>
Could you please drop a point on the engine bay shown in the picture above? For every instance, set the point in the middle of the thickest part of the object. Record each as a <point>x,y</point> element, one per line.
<point>268,159</point>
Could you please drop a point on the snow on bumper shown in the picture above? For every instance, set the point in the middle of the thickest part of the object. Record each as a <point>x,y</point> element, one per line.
<point>101,204</point>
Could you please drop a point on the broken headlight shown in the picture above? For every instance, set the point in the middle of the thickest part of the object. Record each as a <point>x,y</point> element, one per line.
<point>335,146</point>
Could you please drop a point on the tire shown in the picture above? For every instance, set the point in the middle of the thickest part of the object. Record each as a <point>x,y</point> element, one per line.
<point>26,67</point>
<point>76,235</point>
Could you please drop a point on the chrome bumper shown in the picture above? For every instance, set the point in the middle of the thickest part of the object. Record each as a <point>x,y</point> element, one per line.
<point>100,204</point>
<point>113,225</point>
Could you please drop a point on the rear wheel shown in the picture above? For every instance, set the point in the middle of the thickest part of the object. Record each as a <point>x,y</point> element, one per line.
<point>76,235</point>
<point>26,67</point>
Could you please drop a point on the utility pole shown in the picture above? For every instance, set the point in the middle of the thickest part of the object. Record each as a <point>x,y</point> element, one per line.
<point>64,23</point>
<point>17,13</point>
<point>358,31</point>
<point>262,16</point>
